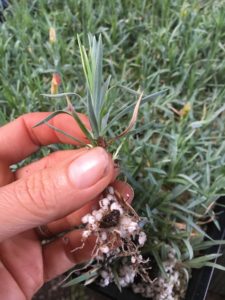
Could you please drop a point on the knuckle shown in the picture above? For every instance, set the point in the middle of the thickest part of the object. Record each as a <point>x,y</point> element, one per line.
<point>45,190</point>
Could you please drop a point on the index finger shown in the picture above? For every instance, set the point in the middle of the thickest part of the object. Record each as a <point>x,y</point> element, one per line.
<point>19,139</point>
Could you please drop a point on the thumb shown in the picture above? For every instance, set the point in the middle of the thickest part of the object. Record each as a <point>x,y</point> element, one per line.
<point>54,192</point>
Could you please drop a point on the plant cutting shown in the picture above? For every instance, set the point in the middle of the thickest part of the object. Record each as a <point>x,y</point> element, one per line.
<point>151,248</point>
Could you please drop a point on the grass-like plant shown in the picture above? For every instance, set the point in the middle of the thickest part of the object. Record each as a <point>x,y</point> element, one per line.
<point>176,212</point>
<point>174,158</point>
<point>98,106</point>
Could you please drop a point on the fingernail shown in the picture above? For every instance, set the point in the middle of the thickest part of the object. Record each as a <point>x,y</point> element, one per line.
<point>89,168</point>
<point>77,250</point>
<point>125,190</point>
<point>68,248</point>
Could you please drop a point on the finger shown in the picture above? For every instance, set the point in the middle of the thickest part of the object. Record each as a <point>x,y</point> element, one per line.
<point>60,255</point>
<point>74,219</point>
<point>8,284</point>
<point>48,161</point>
<point>6,176</point>
<point>54,192</point>
<point>125,190</point>
<point>26,270</point>
<point>51,260</point>
<point>26,139</point>
<point>66,223</point>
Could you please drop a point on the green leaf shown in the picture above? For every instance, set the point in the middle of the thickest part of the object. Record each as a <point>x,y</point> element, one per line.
<point>159,262</point>
<point>97,57</point>
<point>177,191</point>
<point>49,117</point>
<point>130,107</point>
<point>86,276</point>
<point>92,116</point>
<point>66,134</point>
<point>201,261</point>
<point>105,120</point>
<point>188,179</point>
<point>116,279</point>
<point>207,244</point>
<point>2,118</point>
<point>126,88</point>
<point>61,95</point>
<point>184,209</point>
<point>103,93</point>
<point>214,265</point>
<point>90,280</point>
<point>139,129</point>
<point>132,120</point>
<point>92,66</point>
<point>86,132</point>
<point>85,63</point>
<point>176,248</point>
<point>191,223</point>
<point>210,119</point>
<point>189,248</point>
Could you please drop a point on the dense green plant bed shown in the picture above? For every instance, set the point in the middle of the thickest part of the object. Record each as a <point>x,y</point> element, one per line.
<point>174,159</point>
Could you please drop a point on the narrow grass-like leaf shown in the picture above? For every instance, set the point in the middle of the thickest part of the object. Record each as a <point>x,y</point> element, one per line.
<point>86,65</point>
<point>86,276</point>
<point>61,95</point>
<point>49,117</point>
<point>157,171</point>
<point>192,224</point>
<point>105,120</point>
<point>198,124</point>
<point>116,278</point>
<point>87,133</point>
<point>197,202</point>
<point>103,93</point>
<point>207,244</point>
<point>189,248</point>
<point>185,210</point>
<point>115,155</point>
<point>177,191</point>
<point>130,107</point>
<point>151,217</point>
<point>201,261</point>
<point>132,121</point>
<point>97,76</point>
<point>146,98</point>
<point>214,265</point>
<point>159,262</point>
<point>139,129</point>
<point>177,249</point>
<point>2,119</point>
<point>90,280</point>
<point>92,116</point>
<point>66,134</point>
<point>126,88</point>
<point>189,179</point>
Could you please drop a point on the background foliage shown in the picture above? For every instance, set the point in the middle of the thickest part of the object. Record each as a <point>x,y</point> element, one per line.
<point>177,164</point>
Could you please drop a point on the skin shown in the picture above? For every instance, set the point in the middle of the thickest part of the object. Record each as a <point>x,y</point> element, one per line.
<point>54,193</point>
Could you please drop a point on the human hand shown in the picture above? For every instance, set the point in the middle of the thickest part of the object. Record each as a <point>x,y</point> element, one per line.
<point>56,190</point>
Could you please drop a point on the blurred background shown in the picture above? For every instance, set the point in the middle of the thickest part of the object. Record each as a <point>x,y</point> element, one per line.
<point>149,45</point>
